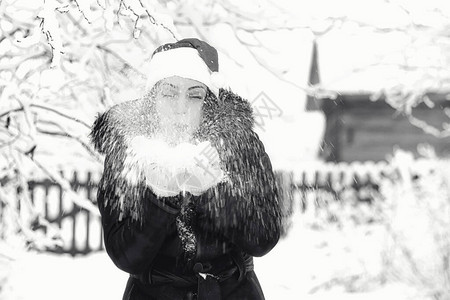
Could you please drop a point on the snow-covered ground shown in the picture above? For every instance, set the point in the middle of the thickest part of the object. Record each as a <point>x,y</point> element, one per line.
<point>308,264</point>
<point>312,264</point>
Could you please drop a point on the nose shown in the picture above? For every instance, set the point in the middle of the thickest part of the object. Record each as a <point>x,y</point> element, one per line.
<point>181,105</point>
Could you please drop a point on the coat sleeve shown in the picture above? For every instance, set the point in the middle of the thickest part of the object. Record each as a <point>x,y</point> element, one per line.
<point>132,245</point>
<point>135,222</point>
<point>245,209</point>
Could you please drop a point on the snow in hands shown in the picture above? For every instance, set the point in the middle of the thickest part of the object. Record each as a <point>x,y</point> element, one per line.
<point>167,170</point>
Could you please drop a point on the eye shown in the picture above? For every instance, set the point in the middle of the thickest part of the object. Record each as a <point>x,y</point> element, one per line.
<point>195,97</point>
<point>198,94</point>
<point>167,91</point>
<point>168,95</point>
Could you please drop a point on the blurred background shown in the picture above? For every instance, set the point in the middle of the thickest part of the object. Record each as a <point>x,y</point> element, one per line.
<point>351,100</point>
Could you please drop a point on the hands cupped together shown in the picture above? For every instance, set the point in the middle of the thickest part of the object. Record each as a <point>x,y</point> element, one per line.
<point>169,171</point>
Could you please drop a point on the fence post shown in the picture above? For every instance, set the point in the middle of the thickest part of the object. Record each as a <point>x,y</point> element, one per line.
<point>75,186</point>
<point>88,214</point>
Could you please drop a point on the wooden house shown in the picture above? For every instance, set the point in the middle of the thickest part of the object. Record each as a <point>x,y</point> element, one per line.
<point>361,129</point>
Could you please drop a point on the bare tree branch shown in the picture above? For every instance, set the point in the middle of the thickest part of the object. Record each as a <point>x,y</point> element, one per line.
<point>312,90</point>
<point>79,140</point>
<point>65,185</point>
<point>128,65</point>
<point>82,11</point>
<point>11,141</point>
<point>61,114</point>
<point>153,21</point>
<point>48,109</point>
<point>427,128</point>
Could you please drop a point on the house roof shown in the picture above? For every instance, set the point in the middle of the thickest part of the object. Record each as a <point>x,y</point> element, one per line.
<point>367,63</point>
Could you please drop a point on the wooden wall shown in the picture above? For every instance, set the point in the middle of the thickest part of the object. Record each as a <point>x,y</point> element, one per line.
<point>361,130</point>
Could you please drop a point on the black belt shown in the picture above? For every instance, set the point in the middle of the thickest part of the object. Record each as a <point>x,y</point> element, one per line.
<point>205,275</point>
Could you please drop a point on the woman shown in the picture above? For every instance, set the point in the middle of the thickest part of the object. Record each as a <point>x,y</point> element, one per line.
<point>188,195</point>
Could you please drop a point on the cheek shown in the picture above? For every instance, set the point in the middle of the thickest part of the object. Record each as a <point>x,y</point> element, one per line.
<point>196,114</point>
<point>163,110</point>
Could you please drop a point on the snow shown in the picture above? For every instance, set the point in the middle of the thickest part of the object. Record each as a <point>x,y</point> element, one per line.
<point>168,170</point>
<point>292,141</point>
<point>49,276</point>
<point>296,268</point>
<point>301,264</point>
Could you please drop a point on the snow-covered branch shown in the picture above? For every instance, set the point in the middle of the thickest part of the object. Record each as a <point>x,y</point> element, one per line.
<point>65,185</point>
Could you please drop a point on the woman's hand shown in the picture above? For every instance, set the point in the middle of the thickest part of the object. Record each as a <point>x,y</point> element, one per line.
<point>206,171</point>
<point>169,170</point>
<point>197,170</point>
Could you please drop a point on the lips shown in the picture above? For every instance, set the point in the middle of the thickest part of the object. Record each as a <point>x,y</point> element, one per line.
<point>181,126</point>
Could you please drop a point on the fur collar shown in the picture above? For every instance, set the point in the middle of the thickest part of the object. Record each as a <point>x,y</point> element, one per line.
<point>229,114</point>
<point>227,124</point>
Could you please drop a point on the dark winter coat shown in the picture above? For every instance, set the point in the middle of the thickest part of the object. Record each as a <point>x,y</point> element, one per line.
<point>229,223</point>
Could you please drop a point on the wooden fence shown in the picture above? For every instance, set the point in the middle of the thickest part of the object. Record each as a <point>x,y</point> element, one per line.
<point>318,183</point>
<point>337,180</point>
<point>82,232</point>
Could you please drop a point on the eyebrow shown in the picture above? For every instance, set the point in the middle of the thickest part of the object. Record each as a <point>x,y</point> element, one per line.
<point>196,87</point>
<point>169,84</point>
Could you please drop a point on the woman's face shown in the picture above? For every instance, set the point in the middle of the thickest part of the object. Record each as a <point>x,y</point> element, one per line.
<point>178,103</point>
